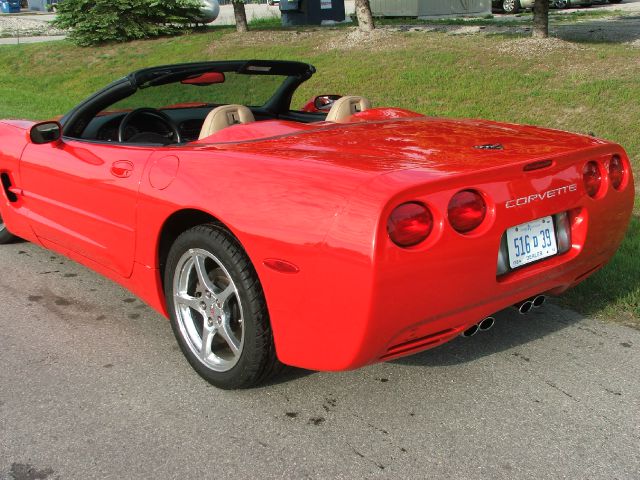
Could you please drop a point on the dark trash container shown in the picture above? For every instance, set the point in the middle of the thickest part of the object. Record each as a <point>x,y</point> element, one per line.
<point>10,6</point>
<point>311,12</point>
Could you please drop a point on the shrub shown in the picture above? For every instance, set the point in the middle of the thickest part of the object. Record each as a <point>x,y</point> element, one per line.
<point>93,22</point>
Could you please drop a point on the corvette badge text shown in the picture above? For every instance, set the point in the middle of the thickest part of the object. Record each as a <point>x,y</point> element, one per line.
<point>517,202</point>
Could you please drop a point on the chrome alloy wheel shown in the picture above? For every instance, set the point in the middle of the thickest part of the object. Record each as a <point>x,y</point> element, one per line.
<point>509,6</point>
<point>2,227</point>
<point>208,310</point>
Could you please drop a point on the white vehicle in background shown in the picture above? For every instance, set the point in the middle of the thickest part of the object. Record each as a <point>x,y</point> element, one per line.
<point>514,6</point>
<point>209,11</point>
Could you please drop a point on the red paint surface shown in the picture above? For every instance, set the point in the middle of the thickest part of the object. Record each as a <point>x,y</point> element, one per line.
<point>318,196</point>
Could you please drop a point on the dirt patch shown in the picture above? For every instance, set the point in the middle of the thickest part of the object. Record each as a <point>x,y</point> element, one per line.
<point>253,37</point>
<point>353,38</point>
<point>534,47</point>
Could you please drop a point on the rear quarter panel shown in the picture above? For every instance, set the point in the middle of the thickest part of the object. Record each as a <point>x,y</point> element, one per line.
<point>279,209</point>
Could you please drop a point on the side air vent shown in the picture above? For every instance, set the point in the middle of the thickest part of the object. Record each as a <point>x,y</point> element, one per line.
<point>6,185</point>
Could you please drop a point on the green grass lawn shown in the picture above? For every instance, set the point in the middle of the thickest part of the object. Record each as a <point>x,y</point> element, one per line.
<point>591,87</point>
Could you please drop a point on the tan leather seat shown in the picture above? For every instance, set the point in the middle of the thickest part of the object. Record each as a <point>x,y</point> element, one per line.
<point>346,106</point>
<point>223,117</point>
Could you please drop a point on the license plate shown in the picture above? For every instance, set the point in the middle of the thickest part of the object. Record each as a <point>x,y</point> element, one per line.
<point>531,241</point>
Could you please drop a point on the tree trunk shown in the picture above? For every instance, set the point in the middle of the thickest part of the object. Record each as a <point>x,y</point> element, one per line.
<point>541,19</point>
<point>241,16</point>
<point>363,12</point>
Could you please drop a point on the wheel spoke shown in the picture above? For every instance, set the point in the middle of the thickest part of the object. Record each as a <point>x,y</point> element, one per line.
<point>207,336</point>
<point>224,296</point>
<point>188,301</point>
<point>201,270</point>
<point>229,337</point>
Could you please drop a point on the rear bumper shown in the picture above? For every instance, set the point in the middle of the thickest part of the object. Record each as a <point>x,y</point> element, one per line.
<point>424,297</point>
<point>471,304</point>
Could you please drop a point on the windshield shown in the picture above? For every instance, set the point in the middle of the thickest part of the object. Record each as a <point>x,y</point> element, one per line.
<point>235,88</point>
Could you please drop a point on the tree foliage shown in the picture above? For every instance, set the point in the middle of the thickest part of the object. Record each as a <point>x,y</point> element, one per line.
<point>93,22</point>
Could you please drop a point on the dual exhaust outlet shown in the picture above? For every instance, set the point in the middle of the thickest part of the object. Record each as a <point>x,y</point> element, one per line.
<point>523,308</point>
<point>482,326</point>
<point>527,305</point>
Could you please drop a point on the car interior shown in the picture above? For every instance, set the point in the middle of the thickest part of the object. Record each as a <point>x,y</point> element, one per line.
<point>183,103</point>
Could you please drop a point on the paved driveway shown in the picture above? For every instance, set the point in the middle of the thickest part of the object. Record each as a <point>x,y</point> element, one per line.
<point>92,385</point>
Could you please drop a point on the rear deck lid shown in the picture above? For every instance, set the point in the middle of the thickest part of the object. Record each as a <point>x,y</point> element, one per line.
<point>441,146</point>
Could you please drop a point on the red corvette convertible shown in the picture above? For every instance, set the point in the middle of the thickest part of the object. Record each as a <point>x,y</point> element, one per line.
<point>329,237</point>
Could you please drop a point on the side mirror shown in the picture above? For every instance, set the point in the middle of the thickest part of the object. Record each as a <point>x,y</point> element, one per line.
<point>45,132</point>
<point>324,103</point>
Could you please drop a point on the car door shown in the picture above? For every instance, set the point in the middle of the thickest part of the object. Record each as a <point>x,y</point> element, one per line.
<point>82,196</point>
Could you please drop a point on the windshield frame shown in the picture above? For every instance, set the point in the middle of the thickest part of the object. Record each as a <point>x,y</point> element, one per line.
<point>295,73</point>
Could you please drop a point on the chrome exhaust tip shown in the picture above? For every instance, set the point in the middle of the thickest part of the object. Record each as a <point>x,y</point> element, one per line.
<point>487,324</point>
<point>525,307</point>
<point>471,331</point>
<point>539,301</point>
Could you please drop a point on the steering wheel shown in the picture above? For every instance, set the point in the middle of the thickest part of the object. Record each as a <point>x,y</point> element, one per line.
<point>174,135</point>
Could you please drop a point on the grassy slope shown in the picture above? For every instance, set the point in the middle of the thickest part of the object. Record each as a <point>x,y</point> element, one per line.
<point>584,88</point>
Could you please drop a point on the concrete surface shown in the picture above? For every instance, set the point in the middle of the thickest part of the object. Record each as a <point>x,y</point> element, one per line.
<point>92,385</point>
<point>30,39</point>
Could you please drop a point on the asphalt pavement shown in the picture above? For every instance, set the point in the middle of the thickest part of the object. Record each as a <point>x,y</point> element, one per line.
<point>92,385</point>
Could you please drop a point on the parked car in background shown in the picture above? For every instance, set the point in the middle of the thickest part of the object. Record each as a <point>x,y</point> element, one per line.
<point>514,6</point>
<point>579,3</point>
<point>209,11</point>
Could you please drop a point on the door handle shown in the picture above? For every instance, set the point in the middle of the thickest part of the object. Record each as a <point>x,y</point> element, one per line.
<point>122,169</point>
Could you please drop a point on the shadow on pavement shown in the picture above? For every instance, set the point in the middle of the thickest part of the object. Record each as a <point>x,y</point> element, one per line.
<point>616,30</point>
<point>617,284</point>
<point>511,330</point>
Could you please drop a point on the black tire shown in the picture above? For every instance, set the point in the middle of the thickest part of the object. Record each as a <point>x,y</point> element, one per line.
<point>511,6</point>
<point>562,4</point>
<point>5,234</point>
<point>615,1</point>
<point>256,360</point>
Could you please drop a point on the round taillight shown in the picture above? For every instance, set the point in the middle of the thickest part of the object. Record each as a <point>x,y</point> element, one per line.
<point>592,178</point>
<point>409,224</point>
<point>616,172</point>
<point>467,210</point>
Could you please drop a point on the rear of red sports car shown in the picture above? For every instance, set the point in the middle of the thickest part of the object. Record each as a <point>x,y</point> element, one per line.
<point>467,218</point>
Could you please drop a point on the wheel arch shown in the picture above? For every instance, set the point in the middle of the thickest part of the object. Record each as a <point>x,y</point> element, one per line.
<point>179,222</point>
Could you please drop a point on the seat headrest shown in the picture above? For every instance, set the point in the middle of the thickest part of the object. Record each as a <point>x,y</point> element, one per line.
<point>346,106</point>
<point>223,117</point>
